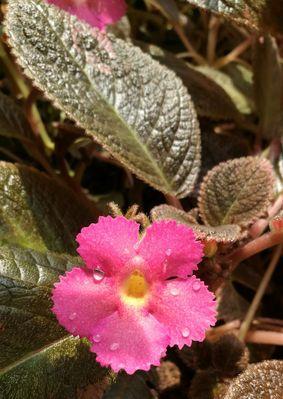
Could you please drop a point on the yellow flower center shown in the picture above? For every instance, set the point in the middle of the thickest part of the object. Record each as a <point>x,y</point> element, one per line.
<point>135,289</point>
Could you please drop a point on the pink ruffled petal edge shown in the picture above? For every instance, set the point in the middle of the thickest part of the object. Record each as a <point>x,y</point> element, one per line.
<point>170,249</point>
<point>97,13</point>
<point>131,341</point>
<point>186,307</point>
<point>108,244</point>
<point>80,302</point>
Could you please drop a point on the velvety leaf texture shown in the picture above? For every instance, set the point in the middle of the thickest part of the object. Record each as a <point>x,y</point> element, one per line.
<point>224,234</point>
<point>38,212</point>
<point>136,108</point>
<point>202,89</point>
<point>254,13</point>
<point>259,381</point>
<point>237,191</point>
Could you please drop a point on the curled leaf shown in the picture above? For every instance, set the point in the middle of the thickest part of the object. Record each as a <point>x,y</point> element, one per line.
<point>223,234</point>
<point>237,191</point>
<point>136,108</point>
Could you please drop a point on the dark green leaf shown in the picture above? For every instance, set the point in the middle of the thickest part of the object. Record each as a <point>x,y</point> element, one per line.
<point>37,211</point>
<point>136,108</point>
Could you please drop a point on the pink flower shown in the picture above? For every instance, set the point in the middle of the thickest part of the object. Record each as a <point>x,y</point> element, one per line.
<point>124,301</point>
<point>98,13</point>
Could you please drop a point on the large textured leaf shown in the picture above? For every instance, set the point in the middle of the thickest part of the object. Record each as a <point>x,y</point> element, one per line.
<point>136,108</point>
<point>268,84</point>
<point>259,381</point>
<point>224,234</point>
<point>37,211</point>
<point>237,191</point>
<point>254,13</point>
<point>231,305</point>
<point>37,358</point>
<point>202,88</point>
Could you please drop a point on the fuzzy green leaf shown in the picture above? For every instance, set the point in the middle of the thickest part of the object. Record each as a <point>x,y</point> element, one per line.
<point>223,234</point>
<point>37,211</point>
<point>136,108</point>
<point>254,13</point>
<point>268,85</point>
<point>237,191</point>
<point>258,381</point>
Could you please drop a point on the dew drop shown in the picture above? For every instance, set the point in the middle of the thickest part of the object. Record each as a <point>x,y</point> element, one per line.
<point>168,251</point>
<point>174,291</point>
<point>98,275</point>
<point>186,332</point>
<point>96,338</point>
<point>114,346</point>
<point>73,316</point>
<point>73,330</point>
<point>86,282</point>
<point>196,286</point>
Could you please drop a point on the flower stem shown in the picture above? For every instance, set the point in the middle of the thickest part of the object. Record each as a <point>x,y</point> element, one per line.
<point>260,292</point>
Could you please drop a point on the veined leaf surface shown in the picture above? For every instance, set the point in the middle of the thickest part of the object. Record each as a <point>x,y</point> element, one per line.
<point>136,108</point>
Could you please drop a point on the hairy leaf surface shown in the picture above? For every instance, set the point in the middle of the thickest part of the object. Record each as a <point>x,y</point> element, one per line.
<point>254,13</point>
<point>237,191</point>
<point>139,110</point>
<point>37,211</point>
<point>202,88</point>
<point>258,381</point>
<point>224,234</point>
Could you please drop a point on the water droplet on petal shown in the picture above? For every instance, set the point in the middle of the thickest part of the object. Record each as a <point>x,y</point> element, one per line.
<point>73,330</point>
<point>96,338</point>
<point>126,251</point>
<point>196,286</point>
<point>174,291</point>
<point>73,316</point>
<point>114,346</point>
<point>98,275</point>
<point>86,282</point>
<point>168,252</point>
<point>186,332</point>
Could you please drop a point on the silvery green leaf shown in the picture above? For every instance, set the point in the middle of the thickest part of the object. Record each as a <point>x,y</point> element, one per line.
<point>136,108</point>
<point>253,13</point>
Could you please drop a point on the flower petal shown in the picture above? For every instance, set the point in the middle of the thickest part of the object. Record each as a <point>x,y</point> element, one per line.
<point>170,249</point>
<point>97,13</point>
<point>186,307</point>
<point>108,244</point>
<point>130,341</point>
<point>80,302</point>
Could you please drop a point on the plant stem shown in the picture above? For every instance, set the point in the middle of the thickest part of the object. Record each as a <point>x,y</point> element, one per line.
<point>214,24</point>
<point>261,243</point>
<point>234,54</point>
<point>173,201</point>
<point>260,292</point>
